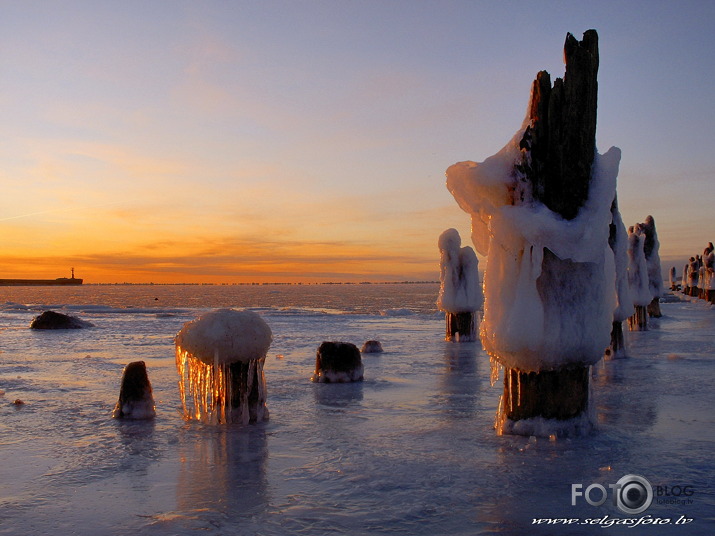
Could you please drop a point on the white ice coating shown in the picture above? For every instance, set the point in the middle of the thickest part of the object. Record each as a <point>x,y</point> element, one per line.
<point>624,300</point>
<point>526,327</point>
<point>709,272</point>
<point>460,291</point>
<point>655,276</point>
<point>638,268</point>
<point>226,335</point>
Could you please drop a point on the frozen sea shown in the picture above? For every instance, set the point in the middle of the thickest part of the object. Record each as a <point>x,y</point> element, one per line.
<point>411,450</point>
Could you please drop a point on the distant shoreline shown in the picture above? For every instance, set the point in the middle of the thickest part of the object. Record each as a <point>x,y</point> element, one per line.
<point>263,284</point>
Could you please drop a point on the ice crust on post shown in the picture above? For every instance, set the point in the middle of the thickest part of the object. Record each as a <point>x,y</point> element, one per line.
<point>618,240</point>
<point>220,358</point>
<point>460,294</point>
<point>541,213</point>
<point>524,326</point>
<point>460,291</point>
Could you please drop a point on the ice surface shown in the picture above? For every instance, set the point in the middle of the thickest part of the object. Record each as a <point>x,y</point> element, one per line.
<point>411,450</point>
<point>460,290</point>
<point>535,321</point>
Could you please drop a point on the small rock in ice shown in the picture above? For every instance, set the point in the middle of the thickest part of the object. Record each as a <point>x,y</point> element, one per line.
<point>54,320</point>
<point>371,347</point>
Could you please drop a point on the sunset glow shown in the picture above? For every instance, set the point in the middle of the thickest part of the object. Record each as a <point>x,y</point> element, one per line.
<point>307,141</point>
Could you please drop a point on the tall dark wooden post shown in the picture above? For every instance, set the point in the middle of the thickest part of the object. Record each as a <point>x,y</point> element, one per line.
<point>558,149</point>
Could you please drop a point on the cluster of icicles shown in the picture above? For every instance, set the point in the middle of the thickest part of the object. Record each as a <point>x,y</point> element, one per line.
<point>207,391</point>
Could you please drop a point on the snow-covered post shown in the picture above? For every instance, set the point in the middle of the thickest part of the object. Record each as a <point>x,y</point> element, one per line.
<point>685,288</point>
<point>693,277</point>
<point>220,358</point>
<point>460,294</point>
<point>541,210</point>
<point>651,248</point>
<point>672,279</point>
<point>638,279</point>
<point>618,241</point>
<point>709,264</point>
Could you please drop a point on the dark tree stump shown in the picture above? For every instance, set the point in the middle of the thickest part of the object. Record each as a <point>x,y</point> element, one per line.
<point>461,327</point>
<point>639,320</point>
<point>551,394</point>
<point>338,362</point>
<point>617,341</point>
<point>653,308</point>
<point>247,393</point>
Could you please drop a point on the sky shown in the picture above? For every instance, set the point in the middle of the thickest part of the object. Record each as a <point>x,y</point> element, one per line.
<point>287,141</point>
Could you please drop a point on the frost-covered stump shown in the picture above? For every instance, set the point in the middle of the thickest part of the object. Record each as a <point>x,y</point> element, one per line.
<point>541,210</point>
<point>220,358</point>
<point>460,294</point>
<point>338,362</point>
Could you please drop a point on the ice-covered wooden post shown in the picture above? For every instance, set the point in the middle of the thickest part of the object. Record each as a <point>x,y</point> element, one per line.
<point>651,248</point>
<point>672,279</point>
<point>618,241</point>
<point>220,358</point>
<point>541,213</point>
<point>460,294</point>
<point>638,279</point>
<point>709,272</point>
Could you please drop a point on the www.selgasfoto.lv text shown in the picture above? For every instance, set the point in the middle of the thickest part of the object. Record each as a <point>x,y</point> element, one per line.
<point>607,521</point>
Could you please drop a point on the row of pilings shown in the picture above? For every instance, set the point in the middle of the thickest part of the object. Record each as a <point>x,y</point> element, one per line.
<point>698,277</point>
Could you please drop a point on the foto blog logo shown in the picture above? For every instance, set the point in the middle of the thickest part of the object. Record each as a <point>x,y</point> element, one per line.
<point>632,494</point>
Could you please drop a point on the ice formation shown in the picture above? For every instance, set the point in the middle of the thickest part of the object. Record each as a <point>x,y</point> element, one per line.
<point>638,267</point>
<point>619,244</point>
<point>618,240</point>
<point>460,291</point>
<point>220,358</point>
<point>541,214</point>
<point>708,283</point>
<point>136,400</point>
<point>651,249</point>
<point>528,325</point>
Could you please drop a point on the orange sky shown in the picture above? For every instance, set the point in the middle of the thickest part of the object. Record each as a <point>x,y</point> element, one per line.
<point>241,142</point>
